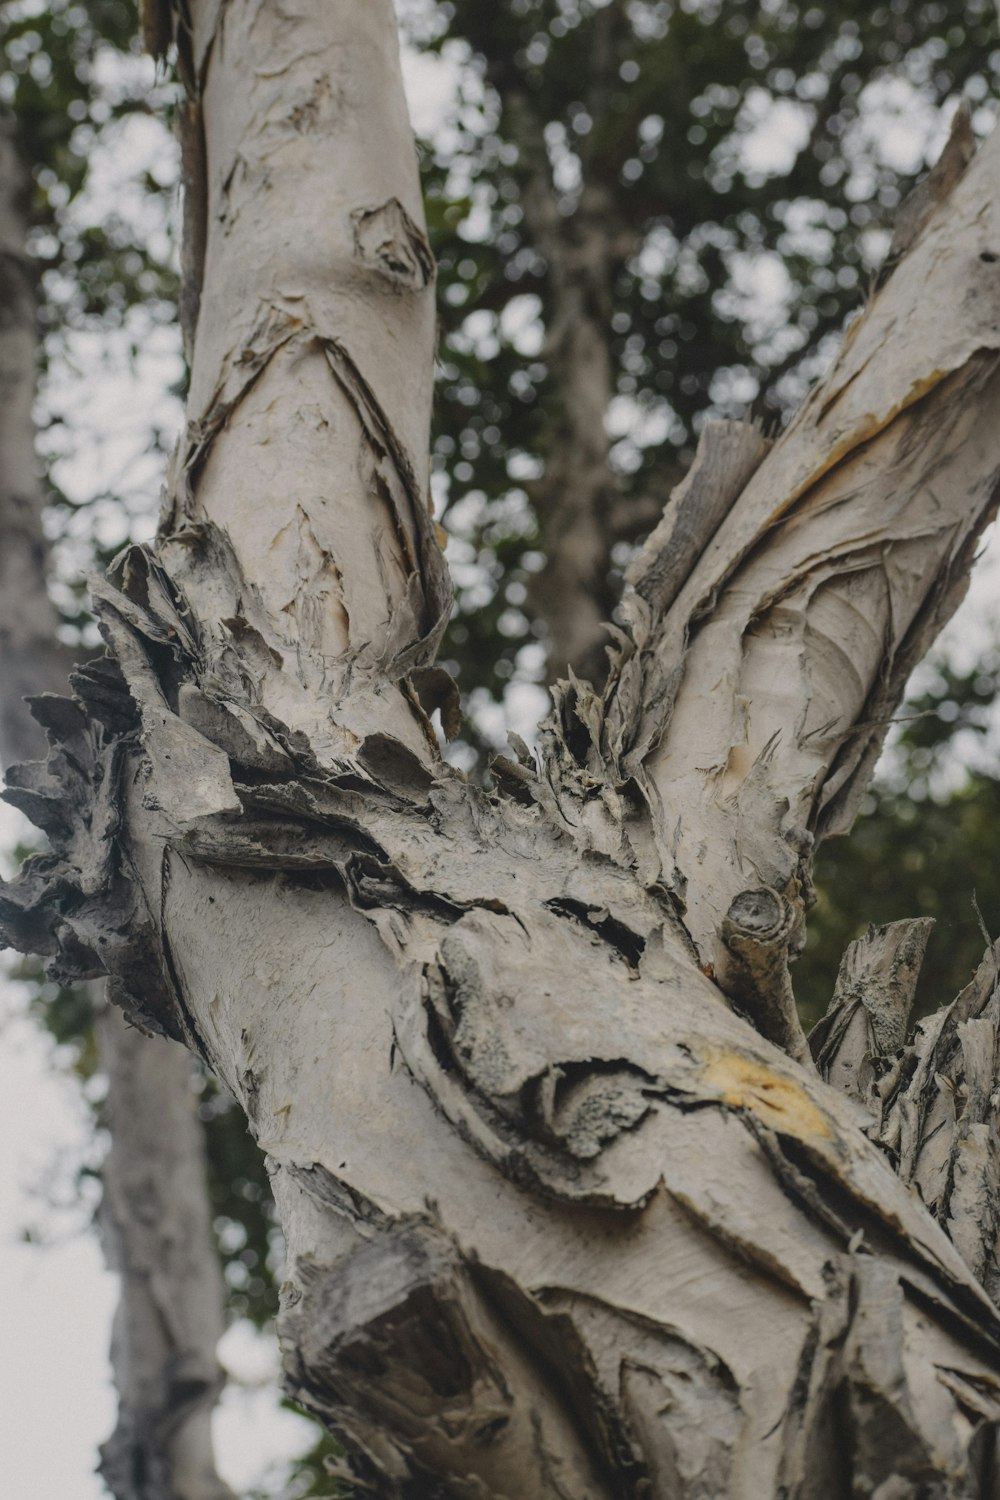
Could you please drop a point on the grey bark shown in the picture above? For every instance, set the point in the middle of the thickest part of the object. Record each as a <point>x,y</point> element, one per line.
<point>154,1212</point>
<point>565,1216</point>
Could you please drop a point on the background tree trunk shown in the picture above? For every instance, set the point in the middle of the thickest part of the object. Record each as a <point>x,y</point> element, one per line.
<point>579,496</point>
<point>157,1234</point>
<point>155,1215</point>
<point>569,1209</point>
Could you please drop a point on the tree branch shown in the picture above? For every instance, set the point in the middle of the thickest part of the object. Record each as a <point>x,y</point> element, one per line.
<point>490,1016</point>
<point>578,492</point>
<point>156,1231</point>
<point>751,708</point>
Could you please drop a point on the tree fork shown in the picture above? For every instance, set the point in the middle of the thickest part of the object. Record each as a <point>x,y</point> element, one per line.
<point>479,1037</point>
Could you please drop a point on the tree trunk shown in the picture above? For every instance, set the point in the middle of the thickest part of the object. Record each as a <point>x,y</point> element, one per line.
<point>569,1209</point>
<point>154,1213</point>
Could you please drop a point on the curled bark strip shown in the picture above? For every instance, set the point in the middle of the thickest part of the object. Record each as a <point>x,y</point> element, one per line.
<point>936,1112</point>
<point>401,1350</point>
<point>728,454</point>
<point>387,239</point>
<point>752,966</point>
<point>856,1427</point>
<point>868,1014</point>
<point>918,208</point>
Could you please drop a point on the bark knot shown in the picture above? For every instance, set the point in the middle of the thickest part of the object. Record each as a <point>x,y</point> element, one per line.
<point>388,241</point>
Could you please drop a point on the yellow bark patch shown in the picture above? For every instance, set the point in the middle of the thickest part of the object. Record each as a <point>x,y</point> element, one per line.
<point>865,429</point>
<point>777,1101</point>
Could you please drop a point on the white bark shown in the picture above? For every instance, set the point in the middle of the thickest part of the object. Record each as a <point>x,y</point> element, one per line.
<point>154,1211</point>
<point>560,1221</point>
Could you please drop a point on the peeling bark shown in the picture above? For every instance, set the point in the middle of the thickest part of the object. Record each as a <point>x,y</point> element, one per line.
<point>751,706</point>
<point>932,1103</point>
<point>870,1010</point>
<point>154,1211</point>
<point>563,1214</point>
<point>415,1339</point>
<point>577,495</point>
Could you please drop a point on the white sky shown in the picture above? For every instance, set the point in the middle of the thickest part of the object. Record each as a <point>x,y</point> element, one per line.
<point>56,1300</point>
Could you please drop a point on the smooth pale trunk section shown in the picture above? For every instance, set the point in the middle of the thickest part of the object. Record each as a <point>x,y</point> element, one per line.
<point>309,404</point>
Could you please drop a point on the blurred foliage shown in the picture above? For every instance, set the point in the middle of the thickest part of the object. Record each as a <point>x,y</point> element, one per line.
<point>245,1224</point>
<point>72,72</point>
<point>308,1478</point>
<point>923,847</point>
<point>92,124</point>
<point>746,159</point>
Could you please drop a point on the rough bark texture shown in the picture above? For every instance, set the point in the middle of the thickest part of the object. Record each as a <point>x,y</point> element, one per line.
<point>564,1217</point>
<point>154,1213</point>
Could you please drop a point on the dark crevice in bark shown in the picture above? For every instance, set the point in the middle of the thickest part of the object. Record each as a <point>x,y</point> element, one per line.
<point>403,1349</point>
<point>628,944</point>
